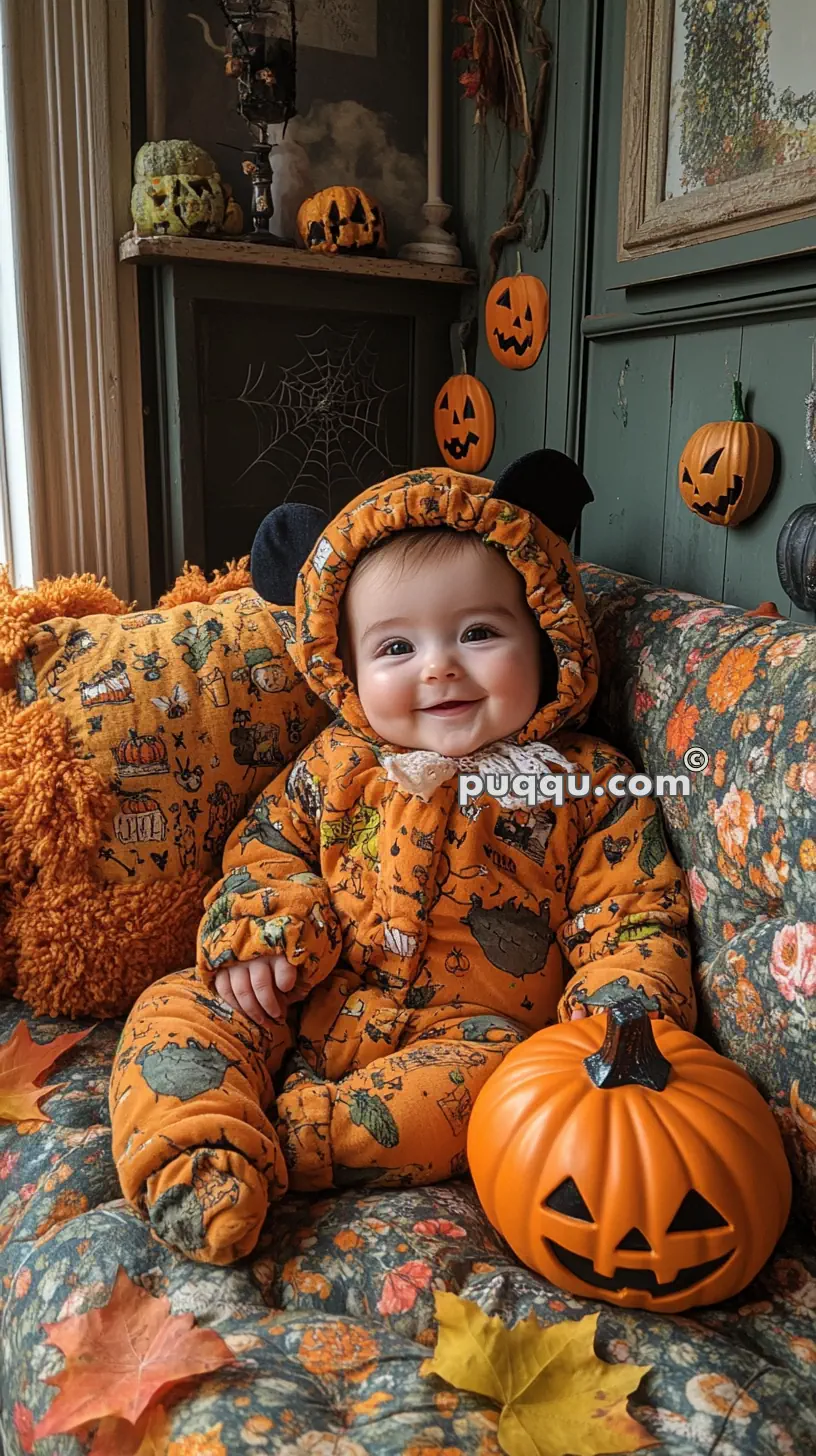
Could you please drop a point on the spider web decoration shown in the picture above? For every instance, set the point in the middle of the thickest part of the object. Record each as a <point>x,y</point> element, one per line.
<point>323,419</point>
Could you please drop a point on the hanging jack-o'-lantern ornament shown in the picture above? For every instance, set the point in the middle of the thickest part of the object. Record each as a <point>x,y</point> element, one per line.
<point>517,318</point>
<point>725,471</point>
<point>465,423</point>
<point>342,220</point>
<point>625,1160</point>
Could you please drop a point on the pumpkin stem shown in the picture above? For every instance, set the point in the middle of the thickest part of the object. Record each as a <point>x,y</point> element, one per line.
<point>737,403</point>
<point>464,360</point>
<point>629,1055</point>
<point>519,268</point>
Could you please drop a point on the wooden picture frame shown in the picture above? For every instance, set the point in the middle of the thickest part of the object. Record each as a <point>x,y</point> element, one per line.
<point>648,221</point>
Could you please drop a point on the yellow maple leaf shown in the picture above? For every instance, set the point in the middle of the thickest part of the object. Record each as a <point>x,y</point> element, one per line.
<point>557,1397</point>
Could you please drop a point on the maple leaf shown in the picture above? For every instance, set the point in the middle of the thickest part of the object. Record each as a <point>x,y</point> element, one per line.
<point>401,1286</point>
<point>117,1437</point>
<point>556,1395</point>
<point>22,1061</point>
<point>120,1360</point>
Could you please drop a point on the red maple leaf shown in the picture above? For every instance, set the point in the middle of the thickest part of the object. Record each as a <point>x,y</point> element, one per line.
<point>441,1228</point>
<point>401,1286</point>
<point>123,1357</point>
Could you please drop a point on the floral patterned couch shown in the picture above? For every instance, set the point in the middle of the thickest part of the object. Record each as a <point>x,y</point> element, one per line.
<point>332,1317</point>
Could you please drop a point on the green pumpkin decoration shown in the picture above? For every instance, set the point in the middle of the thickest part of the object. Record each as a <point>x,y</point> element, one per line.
<point>177,190</point>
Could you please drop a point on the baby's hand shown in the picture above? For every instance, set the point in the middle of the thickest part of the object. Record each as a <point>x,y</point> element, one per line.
<point>253,986</point>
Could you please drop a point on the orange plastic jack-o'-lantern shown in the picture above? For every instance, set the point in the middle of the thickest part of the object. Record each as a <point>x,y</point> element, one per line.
<point>624,1159</point>
<point>517,317</point>
<point>465,423</point>
<point>726,468</point>
<point>342,220</point>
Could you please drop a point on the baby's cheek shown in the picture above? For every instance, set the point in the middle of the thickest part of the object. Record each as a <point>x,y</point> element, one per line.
<point>386,695</point>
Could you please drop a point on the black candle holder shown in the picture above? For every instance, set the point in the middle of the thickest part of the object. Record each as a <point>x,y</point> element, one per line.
<point>262,58</point>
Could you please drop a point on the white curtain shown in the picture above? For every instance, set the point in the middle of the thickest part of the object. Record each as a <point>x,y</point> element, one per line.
<point>67,110</point>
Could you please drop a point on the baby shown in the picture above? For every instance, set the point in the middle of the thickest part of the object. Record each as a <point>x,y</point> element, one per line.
<point>396,942</point>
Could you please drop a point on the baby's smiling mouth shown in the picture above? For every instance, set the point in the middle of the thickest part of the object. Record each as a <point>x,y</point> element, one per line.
<point>451,705</point>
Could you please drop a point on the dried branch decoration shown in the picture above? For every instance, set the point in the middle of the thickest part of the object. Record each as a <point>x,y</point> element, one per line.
<point>495,78</point>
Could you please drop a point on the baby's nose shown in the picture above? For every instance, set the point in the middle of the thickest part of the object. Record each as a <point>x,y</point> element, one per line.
<point>441,664</point>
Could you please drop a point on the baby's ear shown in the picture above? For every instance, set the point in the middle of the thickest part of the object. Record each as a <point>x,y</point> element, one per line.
<point>548,485</point>
<point>283,542</point>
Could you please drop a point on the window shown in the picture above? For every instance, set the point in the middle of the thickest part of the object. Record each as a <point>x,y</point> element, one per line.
<point>15,521</point>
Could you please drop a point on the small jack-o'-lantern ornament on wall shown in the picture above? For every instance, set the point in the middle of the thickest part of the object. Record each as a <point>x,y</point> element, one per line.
<point>342,220</point>
<point>726,468</point>
<point>465,423</point>
<point>517,318</point>
<point>624,1159</point>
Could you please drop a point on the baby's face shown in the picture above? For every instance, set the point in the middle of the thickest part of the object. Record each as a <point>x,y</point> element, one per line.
<point>446,655</point>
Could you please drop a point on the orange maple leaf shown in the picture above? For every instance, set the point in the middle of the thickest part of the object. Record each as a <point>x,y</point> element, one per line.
<point>22,1061</point>
<point>123,1357</point>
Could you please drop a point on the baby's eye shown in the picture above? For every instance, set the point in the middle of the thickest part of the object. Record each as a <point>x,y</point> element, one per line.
<point>398,648</point>
<point>478,634</point>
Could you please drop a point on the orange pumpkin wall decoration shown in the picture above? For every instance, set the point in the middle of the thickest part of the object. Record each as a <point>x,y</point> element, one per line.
<point>342,220</point>
<point>465,423</point>
<point>725,470</point>
<point>624,1159</point>
<point>517,318</point>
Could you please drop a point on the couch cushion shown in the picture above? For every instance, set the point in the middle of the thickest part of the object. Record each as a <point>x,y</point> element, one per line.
<point>680,672</point>
<point>131,744</point>
<point>332,1317</point>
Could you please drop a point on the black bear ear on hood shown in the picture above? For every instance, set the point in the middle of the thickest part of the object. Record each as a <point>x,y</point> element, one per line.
<point>282,543</point>
<point>550,486</point>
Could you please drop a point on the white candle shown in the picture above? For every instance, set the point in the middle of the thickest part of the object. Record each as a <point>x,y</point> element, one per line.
<point>434,244</point>
<point>435,100</point>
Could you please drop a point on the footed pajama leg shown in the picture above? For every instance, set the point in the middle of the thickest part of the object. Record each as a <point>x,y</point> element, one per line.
<point>193,1147</point>
<point>400,1120</point>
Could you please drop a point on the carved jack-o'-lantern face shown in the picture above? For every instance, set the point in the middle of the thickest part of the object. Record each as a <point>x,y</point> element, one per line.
<point>626,1160</point>
<point>342,220</point>
<point>517,317</point>
<point>695,1215</point>
<point>725,469</point>
<point>465,423</point>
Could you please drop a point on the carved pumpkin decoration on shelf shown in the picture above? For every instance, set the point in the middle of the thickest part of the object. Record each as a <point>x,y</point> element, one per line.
<point>465,423</point>
<point>342,220</point>
<point>726,468</point>
<point>177,190</point>
<point>517,319</point>
<point>625,1160</point>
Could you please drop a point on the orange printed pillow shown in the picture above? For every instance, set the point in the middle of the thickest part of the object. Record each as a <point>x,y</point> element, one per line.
<point>131,743</point>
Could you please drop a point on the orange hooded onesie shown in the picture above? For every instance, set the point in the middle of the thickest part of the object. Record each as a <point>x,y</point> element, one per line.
<point>432,936</point>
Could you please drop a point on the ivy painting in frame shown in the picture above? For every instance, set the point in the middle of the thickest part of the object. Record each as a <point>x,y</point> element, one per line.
<point>719,120</point>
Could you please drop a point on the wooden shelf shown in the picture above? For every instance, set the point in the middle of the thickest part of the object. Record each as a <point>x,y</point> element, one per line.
<point>162,248</point>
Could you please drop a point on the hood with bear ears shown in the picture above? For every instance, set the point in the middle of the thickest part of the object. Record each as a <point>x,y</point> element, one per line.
<point>501,513</point>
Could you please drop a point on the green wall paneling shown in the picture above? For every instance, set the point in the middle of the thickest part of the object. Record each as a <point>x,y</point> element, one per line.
<point>625,455</point>
<point>483,173</point>
<point>776,362</point>
<point>704,366</point>
<point>571,130</point>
